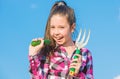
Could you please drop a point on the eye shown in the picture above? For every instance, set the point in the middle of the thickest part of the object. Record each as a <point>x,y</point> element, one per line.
<point>61,27</point>
<point>52,27</point>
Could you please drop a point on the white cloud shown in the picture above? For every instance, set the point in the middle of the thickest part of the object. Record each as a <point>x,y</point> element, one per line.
<point>117,77</point>
<point>33,6</point>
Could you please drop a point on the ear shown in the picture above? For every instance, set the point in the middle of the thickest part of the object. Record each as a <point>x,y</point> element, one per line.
<point>73,27</point>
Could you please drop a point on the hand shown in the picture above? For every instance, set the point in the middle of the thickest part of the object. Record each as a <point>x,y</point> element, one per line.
<point>76,63</point>
<point>34,50</point>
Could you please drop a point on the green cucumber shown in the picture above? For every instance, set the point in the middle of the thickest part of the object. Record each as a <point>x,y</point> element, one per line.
<point>35,43</point>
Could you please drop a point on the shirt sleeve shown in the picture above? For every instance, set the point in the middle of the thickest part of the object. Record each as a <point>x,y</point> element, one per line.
<point>34,65</point>
<point>86,70</point>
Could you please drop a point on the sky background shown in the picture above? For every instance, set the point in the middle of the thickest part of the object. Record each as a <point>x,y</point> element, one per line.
<point>23,20</point>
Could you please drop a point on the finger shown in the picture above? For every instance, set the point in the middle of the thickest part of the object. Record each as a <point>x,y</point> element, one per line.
<point>39,38</point>
<point>73,64</point>
<point>74,61</point>
<point>35,39</point>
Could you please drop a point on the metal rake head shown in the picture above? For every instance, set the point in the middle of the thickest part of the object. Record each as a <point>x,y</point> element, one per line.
<point>82,41</point>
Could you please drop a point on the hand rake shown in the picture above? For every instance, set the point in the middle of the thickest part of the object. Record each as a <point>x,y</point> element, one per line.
<point>80,43</point>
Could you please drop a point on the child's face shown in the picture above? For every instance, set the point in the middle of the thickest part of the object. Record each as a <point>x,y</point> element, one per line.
<point>60,29</point>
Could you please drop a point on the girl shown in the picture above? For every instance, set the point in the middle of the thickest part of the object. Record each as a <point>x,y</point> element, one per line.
<point>54,61</point>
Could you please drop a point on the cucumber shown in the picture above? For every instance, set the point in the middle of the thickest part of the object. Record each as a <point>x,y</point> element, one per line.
<point>35,43</point>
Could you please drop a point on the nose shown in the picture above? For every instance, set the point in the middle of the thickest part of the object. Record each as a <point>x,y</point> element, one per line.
<point>56,31</point>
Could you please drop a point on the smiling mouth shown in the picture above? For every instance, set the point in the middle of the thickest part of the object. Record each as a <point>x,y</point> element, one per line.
<point>58,39</point>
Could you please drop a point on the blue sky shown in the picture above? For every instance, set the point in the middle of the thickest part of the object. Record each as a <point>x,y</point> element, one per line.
<point>23,20</point>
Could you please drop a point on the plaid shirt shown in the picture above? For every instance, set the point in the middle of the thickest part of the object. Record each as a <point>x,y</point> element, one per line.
<point>58,66</point>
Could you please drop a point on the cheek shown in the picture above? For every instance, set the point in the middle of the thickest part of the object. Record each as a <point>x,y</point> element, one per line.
<point>51,33</point>
<point>67,32</point>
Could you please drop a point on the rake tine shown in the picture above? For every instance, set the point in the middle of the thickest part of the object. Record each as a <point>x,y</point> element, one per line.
<point>83,41</point>
<point>79,35</point>
<point>87,39</point>
<point>83,38</point>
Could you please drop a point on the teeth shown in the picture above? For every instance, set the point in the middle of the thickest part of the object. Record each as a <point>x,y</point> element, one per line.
<point>58,38</point>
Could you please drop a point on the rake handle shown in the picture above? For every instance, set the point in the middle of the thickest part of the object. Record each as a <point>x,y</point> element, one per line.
<point>35,43</point>
<point>72,70</point>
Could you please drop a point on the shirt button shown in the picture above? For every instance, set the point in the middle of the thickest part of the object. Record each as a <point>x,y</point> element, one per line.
<point>32,61</point>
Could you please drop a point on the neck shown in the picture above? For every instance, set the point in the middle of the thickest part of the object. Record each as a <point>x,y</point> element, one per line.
<point>70,47</point>
<point>69,43</point>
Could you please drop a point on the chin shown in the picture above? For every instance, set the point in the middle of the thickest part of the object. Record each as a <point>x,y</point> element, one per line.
<point>60,43</point>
